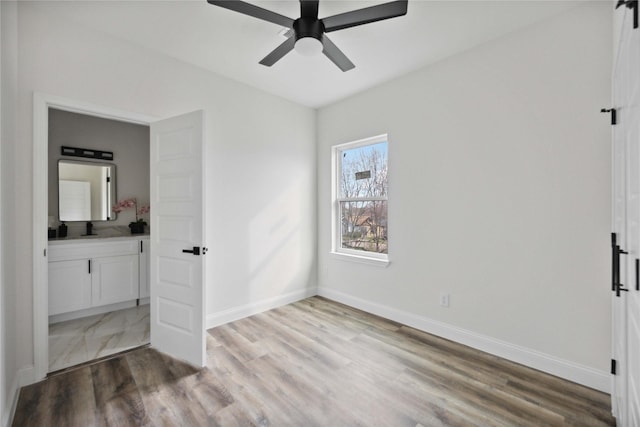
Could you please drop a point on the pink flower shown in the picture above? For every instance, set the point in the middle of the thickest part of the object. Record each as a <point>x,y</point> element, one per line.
<point>125,204</point>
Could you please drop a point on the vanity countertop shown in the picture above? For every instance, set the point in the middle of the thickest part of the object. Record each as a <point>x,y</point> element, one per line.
<point>106,233</point>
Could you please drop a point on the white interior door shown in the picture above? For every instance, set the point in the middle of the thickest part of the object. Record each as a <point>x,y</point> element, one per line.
<point>626,193</point>
<point>177,224</point>
<point>75,200</point>
<point>631,298</point>
<point>629,64</point>
<point>618,306</point>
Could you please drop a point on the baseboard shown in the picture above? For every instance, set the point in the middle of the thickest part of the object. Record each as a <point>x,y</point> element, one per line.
<point>91,311</point>
<point>571,371</point>
<point>236,313</point>
<point>23,377</point>
<point>13,393</point>
<point>26,376</point>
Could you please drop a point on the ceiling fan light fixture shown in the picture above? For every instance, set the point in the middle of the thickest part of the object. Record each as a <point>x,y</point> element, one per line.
<point>308,46</point>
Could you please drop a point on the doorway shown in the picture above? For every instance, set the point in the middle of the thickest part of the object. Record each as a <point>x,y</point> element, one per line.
<point>100,311</point>
<point>177,195</point>
<point>42,104</point>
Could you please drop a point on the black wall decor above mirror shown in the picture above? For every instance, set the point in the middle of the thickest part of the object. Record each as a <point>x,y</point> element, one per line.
<point>86,152</point>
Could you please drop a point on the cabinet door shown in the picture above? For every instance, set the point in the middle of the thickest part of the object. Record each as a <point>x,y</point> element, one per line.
<point>145,259</point>
<point>69,286</point>
<point>114,279</point>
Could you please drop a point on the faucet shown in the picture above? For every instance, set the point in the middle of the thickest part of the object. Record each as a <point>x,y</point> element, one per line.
<point>89,228</point>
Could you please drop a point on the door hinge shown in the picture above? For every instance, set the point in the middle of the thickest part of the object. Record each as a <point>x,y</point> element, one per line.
<point>613,366</point>
<point>614,118</point>
<point>108,179</point>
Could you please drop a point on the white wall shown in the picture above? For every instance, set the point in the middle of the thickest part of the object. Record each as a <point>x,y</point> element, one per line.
<point>260,176</point>
<point>499,194</point>
<point>8,284</point>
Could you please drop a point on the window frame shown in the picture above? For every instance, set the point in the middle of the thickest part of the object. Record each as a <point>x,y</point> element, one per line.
<point>337,251</point>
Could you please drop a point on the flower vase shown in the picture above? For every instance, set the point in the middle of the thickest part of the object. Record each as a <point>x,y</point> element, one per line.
<point>137,227</point>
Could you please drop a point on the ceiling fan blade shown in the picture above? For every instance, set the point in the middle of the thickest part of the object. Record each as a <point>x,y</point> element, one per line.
<point>279,52</point>
<point>336,56</point>
<point>365,16</point>
<point>309,9</point>
<point>255,11</point>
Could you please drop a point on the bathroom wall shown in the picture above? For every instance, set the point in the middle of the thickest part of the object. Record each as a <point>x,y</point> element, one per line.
<point>130,146</point>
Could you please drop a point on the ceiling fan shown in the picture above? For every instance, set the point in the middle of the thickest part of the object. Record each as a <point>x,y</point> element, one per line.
<point>308,37</point>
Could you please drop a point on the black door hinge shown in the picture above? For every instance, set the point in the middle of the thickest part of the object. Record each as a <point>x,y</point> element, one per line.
<point>631,4</point>
<point>613,366</point>
<point>614,118</point>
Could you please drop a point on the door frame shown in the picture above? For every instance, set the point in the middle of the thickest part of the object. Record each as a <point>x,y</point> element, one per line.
<point>41,104</point>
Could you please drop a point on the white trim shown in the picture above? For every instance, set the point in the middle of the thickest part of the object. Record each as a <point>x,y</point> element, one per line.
<point>14,392</point>
<point>363,142</point>
<point>371,258</point>
<point>571,371</point>
<point>343,256</point>
<point>41,104</point>
<point>240,312</point>
<point>23,377</point>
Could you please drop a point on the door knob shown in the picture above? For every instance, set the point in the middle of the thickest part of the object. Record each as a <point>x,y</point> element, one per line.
<point>195,250</point>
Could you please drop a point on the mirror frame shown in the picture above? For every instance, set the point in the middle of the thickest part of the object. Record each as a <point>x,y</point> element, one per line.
<point>111,189</point>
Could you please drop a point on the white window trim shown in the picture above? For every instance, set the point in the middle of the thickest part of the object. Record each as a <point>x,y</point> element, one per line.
<point>337,252</point>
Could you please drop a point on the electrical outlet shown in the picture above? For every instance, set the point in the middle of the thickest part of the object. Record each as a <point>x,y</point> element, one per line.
<point>444,300</point>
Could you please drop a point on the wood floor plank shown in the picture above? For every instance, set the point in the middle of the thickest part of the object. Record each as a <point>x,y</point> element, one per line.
<point>251,393</point>
<point>313,363</point>
<point>117,398</point>
<point>161,383</point>
<point>60,400</point>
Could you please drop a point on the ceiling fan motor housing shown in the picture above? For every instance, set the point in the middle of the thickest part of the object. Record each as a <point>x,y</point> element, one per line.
<point>306,27</point>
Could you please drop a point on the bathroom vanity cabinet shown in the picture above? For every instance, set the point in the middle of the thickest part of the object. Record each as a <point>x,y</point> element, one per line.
<point>85,274</point>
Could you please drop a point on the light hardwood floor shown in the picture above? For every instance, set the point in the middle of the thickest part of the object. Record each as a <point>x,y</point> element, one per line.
<point>313,363</point>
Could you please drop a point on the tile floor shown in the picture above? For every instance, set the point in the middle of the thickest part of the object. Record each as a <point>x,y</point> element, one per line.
<point>77,341</point>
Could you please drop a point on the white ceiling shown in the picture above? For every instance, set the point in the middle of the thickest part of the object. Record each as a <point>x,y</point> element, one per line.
<point>231,44</point>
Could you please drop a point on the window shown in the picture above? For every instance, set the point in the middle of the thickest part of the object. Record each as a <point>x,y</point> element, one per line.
<point>360,199</point>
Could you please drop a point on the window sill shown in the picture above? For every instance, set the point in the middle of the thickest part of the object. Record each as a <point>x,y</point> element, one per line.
<point>383,263</point>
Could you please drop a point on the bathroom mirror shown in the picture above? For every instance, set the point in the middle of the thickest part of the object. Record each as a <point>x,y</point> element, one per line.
<point>86,191</point>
